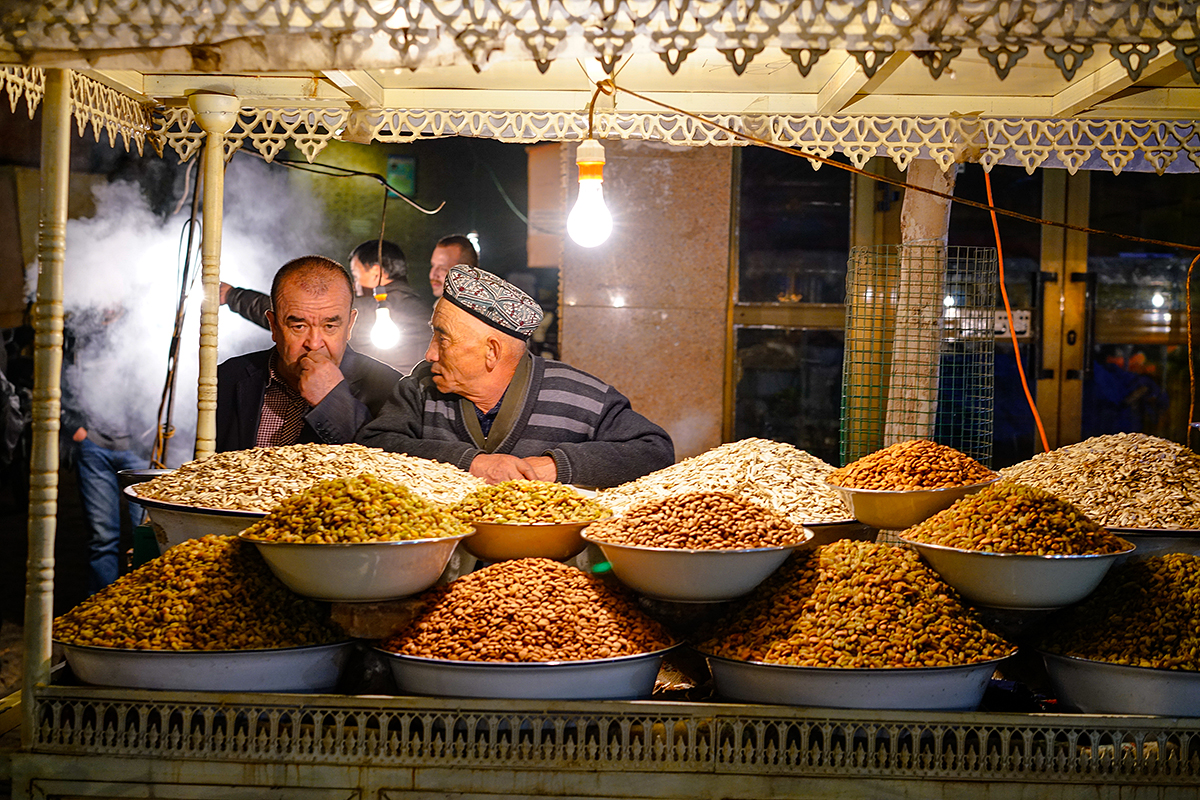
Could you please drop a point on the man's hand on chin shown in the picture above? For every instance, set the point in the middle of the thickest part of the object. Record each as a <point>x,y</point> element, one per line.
<point>318,376</point>
<point>497,467</point>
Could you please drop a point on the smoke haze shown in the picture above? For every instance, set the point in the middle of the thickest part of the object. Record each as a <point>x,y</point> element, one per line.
<point>121,287</point>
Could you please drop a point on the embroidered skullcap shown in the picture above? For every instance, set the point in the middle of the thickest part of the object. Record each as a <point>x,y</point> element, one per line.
<point>493,300</point>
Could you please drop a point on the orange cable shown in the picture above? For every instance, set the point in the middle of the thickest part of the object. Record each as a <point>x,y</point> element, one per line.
<point>1012,331</point>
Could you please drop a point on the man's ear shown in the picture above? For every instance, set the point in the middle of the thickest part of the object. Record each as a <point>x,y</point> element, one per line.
<point>495,349</point>
<point>353,319</point>
<point>272,326</point>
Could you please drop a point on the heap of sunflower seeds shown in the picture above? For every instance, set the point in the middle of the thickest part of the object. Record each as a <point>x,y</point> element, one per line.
<point>259,478</point>
<point>1123,480</point>
<point>1143,614</point>
<point>776,475</point>
<point>358,509</point>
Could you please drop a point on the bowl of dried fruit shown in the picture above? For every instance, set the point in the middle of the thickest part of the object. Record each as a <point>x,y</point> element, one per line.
<point>357,539</point>
<point>699,547</point>
<point>528,628</point>
<point>1016,547</point>
<point>906,483</point>
<point>527,519</point>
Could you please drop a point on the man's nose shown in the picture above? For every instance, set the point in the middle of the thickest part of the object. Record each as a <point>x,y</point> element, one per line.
<point>431,352</point>
<point>315,339</point>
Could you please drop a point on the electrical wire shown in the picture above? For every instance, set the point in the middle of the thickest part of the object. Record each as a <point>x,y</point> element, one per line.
<point>344,172</point>
<point>1012,330</point>
<point>1191,364</point>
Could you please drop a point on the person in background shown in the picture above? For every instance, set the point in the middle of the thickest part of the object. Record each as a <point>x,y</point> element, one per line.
<point>312,386</point>
<point>450,251</point>
<point>105,437</point>
<point>483,402</point>
<point>381,279</point>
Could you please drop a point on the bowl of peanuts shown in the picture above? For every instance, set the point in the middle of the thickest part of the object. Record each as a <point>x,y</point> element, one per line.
<point>1017,547</point>
<point>907,482</point>
<point>359,539</point>
<point>528,628</point>
<point>698,547</point>
<point>527,519</point>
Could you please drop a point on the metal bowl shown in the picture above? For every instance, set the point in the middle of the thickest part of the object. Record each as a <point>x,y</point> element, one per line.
<point>174,523</point>
<point>358,572</point>
<point>621,678</point>
<point>1160,541</point>
<point>928,689</point>
<point>897,510</point>
<point>1013,581</point>
<point>128,477</point>
<point>827,532</point>
<point>504,541</point>
<point>314,668</point>
<point>693,576</point>
<point>1095,687</point>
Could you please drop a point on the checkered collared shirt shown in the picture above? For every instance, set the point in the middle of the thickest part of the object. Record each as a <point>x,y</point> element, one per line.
<point>283,412</point>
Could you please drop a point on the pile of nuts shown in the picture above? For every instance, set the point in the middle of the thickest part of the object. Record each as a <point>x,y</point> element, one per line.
<point>214,593</point>
<point>529,609</point>
<point>358,509</point>
<point>699,521</point>
<point>259,478</point>
<point>528,501</point>
<point>853,605</point>
<point>776,475</point>
<point>1143,614</point>
<point>1124,480</point>
<point>1008,517</point>
<point>915,464</point>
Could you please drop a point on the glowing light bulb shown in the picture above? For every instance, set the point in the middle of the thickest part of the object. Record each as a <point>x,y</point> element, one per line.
<point>1158,300</point>
<point>384,335</point>
<point>589,223</point>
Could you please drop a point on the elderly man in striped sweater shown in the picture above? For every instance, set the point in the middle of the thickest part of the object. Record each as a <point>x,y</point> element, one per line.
<point>483,402</point>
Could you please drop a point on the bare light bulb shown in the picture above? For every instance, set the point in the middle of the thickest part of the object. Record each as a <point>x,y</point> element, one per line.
<point>589,223</point>
<point>384,335</point>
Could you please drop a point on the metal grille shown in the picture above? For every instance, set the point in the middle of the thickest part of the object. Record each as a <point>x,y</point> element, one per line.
<point>920,348</point>
<point>593,736</point>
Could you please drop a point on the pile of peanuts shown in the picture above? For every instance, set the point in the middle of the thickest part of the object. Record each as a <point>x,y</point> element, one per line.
<point>214,593</point>
<point>915,464</point>
<point>1143,614</point>
<point>854,604</point>
<point>528,501</point>
<point>1008,517</point>
<point>358,509</point>
<point>699,521</point>
<point>528,610</point>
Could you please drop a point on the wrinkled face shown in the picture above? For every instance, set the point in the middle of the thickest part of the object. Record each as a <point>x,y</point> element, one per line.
<point>366,277</point>
<point>440,262</point>
<point>306,321</point>
<point>457,351</point>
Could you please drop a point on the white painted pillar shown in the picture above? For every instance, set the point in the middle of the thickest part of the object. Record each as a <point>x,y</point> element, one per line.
<point>216,114</point>
<point>47,394</point>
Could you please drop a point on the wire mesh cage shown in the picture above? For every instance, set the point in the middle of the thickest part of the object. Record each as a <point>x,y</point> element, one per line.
<point>920,348</point>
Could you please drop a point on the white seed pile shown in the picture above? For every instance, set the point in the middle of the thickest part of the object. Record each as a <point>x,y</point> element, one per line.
<point>776,475</point>
<point>1123,480</point>
<point>259,478</point>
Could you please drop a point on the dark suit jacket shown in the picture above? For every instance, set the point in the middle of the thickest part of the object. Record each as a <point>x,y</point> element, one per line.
<point>242,381</point>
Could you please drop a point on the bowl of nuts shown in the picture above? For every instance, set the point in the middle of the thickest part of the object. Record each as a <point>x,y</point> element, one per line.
<point>358,539</point>
<point>905,483</point>
<point>1098,687</point>
<point>174,522</point>
<point>699,547</point>
<point>1017,547</point>
<point>527,519</point>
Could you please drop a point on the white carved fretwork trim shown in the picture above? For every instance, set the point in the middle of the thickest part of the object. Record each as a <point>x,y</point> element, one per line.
<point>1030,143</point>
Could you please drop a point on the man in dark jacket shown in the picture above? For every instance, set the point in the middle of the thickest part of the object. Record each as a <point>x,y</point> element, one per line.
<point>311,387</point>
<point>381,273</point>
<point>482,402</point>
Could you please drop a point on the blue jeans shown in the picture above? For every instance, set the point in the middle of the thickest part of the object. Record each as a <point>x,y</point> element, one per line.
<point>101,496</point>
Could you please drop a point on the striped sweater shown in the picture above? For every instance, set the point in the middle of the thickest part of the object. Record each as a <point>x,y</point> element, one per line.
<point>585,425</point>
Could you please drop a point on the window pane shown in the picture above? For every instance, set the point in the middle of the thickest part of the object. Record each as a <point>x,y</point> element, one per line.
<point>794,229</point>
